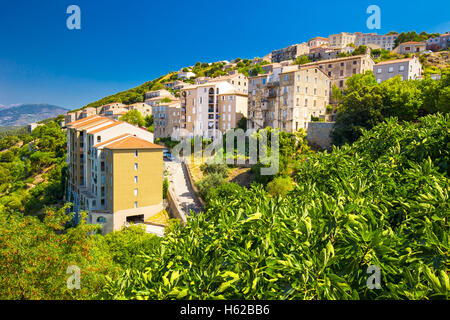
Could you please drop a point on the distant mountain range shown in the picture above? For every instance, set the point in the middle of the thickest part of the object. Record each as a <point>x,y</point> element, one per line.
<point>24,114</point>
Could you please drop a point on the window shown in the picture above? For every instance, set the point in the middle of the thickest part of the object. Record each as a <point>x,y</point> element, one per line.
<point>99,139</point>
<point>379,80</point>
<point>379,70</point>
<point>135,204</point>
<point>401,68</point>
<point>135,179</point>
<point>298,89</point>
<point>342,73</point>
<point>135,153</point>
<point>285,78</point>
<point>135,166</point>
<point>391,69</point>
<point>306,90</point>
<point>341,83</point>
<point>135,191</point>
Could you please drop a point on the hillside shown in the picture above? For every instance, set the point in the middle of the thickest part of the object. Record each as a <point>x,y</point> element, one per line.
<point>27,113</point>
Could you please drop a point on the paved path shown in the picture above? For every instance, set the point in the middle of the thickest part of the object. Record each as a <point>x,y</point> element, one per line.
<point>178,182</point>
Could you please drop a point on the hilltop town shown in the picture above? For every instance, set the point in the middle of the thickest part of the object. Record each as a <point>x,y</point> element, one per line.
<point>291,89</point>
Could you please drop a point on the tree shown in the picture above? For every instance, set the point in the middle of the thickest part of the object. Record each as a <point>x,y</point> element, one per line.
<point>134,117</point>
<point>302,59</point>
<point>280,186</point>
<point>35,255</point>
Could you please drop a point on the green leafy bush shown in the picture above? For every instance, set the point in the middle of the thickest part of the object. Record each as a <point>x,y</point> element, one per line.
<point>383,201</point>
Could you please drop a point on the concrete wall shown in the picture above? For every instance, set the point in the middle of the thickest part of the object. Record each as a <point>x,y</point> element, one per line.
<point>319,134</point>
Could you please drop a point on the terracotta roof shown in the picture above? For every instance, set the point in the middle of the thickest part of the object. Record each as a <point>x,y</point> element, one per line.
<point>412,42</point>
<point>394,61</point>
<point>132,142</point>
<point>81,120</point>
<point>111,140</point>
<point>94,124</point>
<point>318,38</point>
<point>115,123</point>
<point>90,121</point>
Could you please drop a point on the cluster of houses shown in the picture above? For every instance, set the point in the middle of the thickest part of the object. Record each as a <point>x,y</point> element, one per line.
<point>111,162</point>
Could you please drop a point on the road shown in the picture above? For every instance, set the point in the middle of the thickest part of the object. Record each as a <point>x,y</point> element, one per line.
<point>178,182</point>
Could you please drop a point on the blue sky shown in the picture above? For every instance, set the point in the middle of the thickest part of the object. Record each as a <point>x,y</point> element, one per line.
<point>122,44</point>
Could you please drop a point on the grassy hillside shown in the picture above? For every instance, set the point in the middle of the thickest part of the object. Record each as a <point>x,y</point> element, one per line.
<point>213,70</point>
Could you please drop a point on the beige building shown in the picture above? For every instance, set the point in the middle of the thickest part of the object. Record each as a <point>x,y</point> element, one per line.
<point>374,40</point>
<point>208,109</point>
<point>166,119</point>
<point>410,47</point>
<point>342,39</point>
<point>290,53</point>
<point>408,69</point>
<point>110,163</point>
<point>143,108</point>
<point>287,98</point>
<point>237,80</point>
<point>340,69</point>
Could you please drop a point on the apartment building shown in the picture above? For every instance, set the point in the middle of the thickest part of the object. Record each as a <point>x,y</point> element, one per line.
<point>110,163</point>
<point>410,47</point>
<point>287,98</point>
<point>342,39</point>
<point>408,69</point>
<point>166,119</point>
<point>236,79</point>
<point>212,107</point>
<point>290,52</point>
<point>382,41</point>
<point>441,42</point>
<point>340,69</point>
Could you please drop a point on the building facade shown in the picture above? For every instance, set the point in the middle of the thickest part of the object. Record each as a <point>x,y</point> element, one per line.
<point>287,98</point>
<point>290,53</point>
<point>441,42</point>
<point>166,119</point>
<point>342,39</point>
<point>340,69</point>
<point>408,69</point>
<point>93,184</point>
<point>412,47</point>
<point>203,112</point>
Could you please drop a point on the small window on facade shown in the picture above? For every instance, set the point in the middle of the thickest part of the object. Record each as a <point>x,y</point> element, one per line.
<point>135,153</point>
<point>135,191</point>
<point>135,166</point>
<point>135,204</point>
<point>99,139</point>
<point>135,179</point>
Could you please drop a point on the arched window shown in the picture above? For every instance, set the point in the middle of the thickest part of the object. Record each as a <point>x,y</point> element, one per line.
<point>101,220</point>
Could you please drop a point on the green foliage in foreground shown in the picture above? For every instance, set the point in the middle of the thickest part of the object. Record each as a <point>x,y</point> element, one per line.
<point>382,201</point>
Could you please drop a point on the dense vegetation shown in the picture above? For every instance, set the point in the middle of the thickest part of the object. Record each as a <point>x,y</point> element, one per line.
<point>414,36</point>
<point>365,103</point>
<point>32,169</point>
<point>382,201</point>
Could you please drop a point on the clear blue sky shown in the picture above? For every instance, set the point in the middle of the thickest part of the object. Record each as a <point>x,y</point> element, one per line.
<point>122,44</point>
